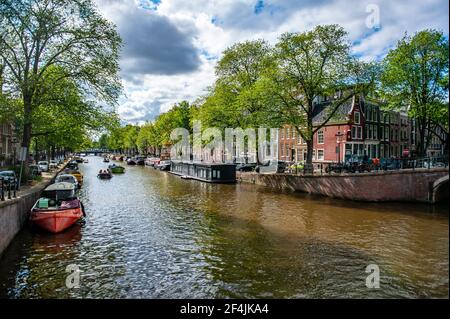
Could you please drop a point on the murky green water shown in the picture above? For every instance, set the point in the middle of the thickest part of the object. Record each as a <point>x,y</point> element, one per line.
<point>149,234</point>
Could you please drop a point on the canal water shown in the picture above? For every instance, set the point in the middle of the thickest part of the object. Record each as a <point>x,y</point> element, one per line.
<point>149,234</point>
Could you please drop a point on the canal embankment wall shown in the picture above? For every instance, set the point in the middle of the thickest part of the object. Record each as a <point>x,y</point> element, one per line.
<point>14,212</point>
<point>419,185</point>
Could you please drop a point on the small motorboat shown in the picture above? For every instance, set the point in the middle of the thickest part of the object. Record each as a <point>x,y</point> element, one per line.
<point>72,165</point>
<point>121,158</point>
<point>67,178</point>
<point>104,174</point>
<point>152,161</point>
<point>76,173</point>
<point>85,160</point>
<point>163,166</point>
<point>140,161</point>
<point>113,158</point>
<point>58,208</point>
<point>131,162</point>
<point>116,169</point>
<point>106,160</point>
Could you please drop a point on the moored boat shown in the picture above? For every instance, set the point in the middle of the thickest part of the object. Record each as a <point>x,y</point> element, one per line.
<point>58,208</point>
<point>116,169</point>
<point>76,173</point>
<point>163,166</point>
<point>140,161</point>
<point>106,160</point>
<point>131,162</point>
<point>152,161</point>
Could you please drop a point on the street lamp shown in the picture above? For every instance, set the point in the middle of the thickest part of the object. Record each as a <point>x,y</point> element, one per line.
<point>338,135</point>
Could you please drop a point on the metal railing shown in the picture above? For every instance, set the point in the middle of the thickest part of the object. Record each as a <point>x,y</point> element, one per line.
<point>388,164</point>
<point>6,190</point>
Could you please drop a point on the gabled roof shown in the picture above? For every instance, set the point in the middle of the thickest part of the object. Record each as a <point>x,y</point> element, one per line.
<point>322,110</point>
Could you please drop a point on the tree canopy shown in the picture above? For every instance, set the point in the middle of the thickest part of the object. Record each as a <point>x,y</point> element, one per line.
<point>47,43</point>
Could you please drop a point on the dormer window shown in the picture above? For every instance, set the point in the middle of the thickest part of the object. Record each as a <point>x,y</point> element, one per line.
<point>357,118</point>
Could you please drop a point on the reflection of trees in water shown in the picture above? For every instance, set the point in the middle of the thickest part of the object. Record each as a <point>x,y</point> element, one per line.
<point>151,234</point>
<point>249,261</point>
<point>34,264</point>
<point>258,243</point>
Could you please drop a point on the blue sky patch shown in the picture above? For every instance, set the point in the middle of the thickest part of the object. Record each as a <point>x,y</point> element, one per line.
<point>259,7</point>
<point>149,4</point>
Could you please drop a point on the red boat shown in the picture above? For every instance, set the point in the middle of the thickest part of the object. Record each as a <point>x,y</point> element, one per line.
<point>58,208</point>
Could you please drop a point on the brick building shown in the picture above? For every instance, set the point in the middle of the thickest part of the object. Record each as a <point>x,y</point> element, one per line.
<point>359,127</point>
<point>8,147</point>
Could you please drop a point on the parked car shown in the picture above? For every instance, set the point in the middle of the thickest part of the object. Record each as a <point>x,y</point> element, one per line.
<point>53,164</point>
<point>43,165</point>
<point>272,166</point>
<point>35,170</point>
<point>10,178</point>
<point>248,167</point>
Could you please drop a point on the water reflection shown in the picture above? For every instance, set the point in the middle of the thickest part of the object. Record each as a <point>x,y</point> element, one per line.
<point>149,234</point>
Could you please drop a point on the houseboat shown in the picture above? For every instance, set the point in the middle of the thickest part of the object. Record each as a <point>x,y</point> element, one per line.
<point>205,172</point>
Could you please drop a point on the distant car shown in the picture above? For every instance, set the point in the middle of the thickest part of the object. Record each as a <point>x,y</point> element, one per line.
<point>249,167</point>
<point>35,170</point>
<point>67,178</point>
<point>43,166</point>
<point>10,178</point>
<point>272,166</point>
<point>53,164</point>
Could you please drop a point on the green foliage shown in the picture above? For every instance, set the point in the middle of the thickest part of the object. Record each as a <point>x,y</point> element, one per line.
<point>46,43</point>
<point>416,75</point>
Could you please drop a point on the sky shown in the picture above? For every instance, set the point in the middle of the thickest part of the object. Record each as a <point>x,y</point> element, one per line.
<point>170,47</point>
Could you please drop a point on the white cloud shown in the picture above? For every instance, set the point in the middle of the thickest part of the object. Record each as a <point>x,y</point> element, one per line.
<point>179,64</point>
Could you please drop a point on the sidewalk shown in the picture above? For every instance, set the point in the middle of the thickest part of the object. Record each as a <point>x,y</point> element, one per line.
<point>32,186</point>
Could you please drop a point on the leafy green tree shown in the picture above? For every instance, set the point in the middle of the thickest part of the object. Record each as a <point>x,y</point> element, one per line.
<point>38,35</point>
<point>308,65</point>
<point>235,99</point>
<point>416,76</point>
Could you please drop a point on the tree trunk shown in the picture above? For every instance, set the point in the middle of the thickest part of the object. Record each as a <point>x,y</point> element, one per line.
<point>309,169</point>
<point>421,147</point>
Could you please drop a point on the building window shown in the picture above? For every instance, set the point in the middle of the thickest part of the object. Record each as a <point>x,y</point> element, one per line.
<point>320,137</point>
<point>357,118</point>
<point>282,133</point>
<point>353,132</point>
<point>375,132</point>
<point>359,132</point>
<point>320,155</point>
<point>293,133</point>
